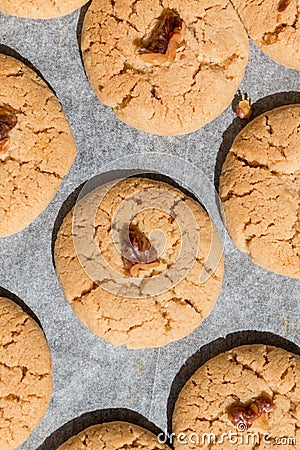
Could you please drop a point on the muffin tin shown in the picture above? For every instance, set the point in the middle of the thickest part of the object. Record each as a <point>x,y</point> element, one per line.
<point>89,374</point>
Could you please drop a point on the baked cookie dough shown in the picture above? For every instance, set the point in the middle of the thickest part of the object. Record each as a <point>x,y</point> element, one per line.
<point>254,385</point>
<point>112,436</point>
<point>130,62</point>
<point>40,9</point>
<point>274,27</point>
<point>146,302</point>
<point>25,375</point>
<point>260,190</point>
<point>37,147</point>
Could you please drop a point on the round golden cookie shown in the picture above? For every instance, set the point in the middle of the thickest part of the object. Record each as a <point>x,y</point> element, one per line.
<point>245,398</point>
<point>149,84</point>
<point>260,190</point>
<point>139,302</point>
<point>37,147</point>
<point>112,436</point>
<point>25,375</point>
<point>274,27</point>
<point>40,9</point>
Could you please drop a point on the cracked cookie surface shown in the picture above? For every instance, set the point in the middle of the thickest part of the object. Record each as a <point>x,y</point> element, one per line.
<point>175,97</point>
<point>274,26</point>
<point>240,376</point>
<point>114,436</point>
<point>260,190</point>
<point>40,9</point>
<point>181,300</point>
<point>40,149</point>
<point>25,375</point>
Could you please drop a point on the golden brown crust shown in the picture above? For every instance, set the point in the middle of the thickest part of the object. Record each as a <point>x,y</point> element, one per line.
<point>259,189</point>
<point>25,375</point>
<point>40,151</point>
<point>176,97</point>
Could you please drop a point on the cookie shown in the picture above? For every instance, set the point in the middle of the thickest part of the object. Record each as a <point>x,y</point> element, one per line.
<point>157,290</point>
<point>274,27</point>
<point>37,147</point>
<point>40,9</point>
<point>246,398</point>
<point>165,67</point>
<point>112,436</point>
<point>259,189</point>
<point>25,375</point>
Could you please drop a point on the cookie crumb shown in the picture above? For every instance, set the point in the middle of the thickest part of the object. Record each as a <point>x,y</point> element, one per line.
<point>244,109</point>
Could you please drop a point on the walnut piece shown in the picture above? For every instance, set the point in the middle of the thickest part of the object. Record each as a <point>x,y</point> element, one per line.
<point>137,252</point>
<point>165,40</point>
<point>8,120</point>
<point>244,109</point>
<point>246,415</point>
<point>283,4</point>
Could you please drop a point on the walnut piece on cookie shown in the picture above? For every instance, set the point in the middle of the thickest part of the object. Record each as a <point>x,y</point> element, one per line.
<point>40,9</point>
<point>37,148</point>
<point>138,252</point>
<point>260,190</point>
<point>25,375</point>
<point>114,435</point>
<point>274,26</point>
<point>265,377</point>
<point>246,415</point>
<point>165,40</point>
<point>171,286</point>
<point>168,67</point>
<point>8,121</point>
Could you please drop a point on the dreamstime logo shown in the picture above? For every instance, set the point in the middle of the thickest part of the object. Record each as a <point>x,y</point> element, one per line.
<point>108,204</point>
<point>242,427</point>
<point>240,438</point>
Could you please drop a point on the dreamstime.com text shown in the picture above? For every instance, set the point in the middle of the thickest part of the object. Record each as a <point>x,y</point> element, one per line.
<point>232,437</point>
